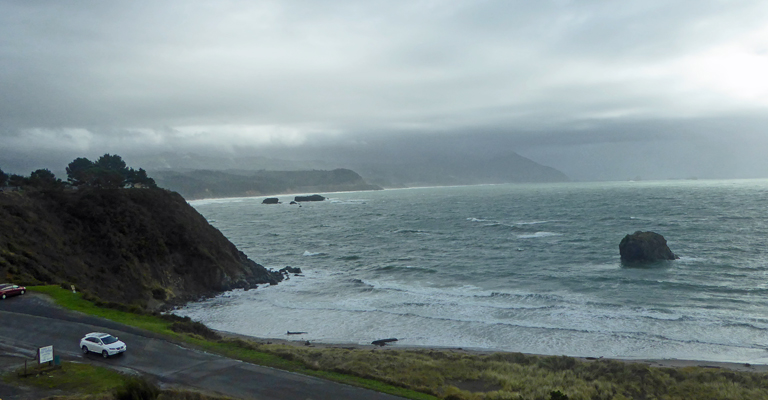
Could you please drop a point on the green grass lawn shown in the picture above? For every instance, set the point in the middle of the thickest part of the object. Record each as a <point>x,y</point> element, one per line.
<point>80,381</point>
<point>71,377</point>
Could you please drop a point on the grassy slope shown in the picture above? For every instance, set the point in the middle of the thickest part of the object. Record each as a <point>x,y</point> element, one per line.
<point>459,375</point>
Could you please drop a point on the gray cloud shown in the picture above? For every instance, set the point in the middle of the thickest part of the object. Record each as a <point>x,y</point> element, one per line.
<point>92,76</point>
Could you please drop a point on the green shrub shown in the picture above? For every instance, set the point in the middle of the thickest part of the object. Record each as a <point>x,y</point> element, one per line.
<point>557,395</point>
<point>195,328</point>
<point>137,389</point>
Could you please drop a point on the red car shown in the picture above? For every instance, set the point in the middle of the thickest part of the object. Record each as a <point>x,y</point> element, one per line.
<point>9,289</point>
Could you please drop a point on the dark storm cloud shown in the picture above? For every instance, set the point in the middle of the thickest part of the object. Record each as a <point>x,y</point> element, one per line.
<point>142,76</point>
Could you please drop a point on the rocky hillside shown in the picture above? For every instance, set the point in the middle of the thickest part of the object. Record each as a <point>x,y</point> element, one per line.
<point>145,247</point>
<point>201,184</point>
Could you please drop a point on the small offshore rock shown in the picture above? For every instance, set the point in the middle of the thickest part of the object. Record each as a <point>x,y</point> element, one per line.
<point>645,246</point>
<point>290,270</point>
<point>314,197</point>
<point>271,200</point>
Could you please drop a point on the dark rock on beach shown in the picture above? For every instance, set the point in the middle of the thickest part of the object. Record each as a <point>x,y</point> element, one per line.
<point>382,342</point>
<point>645,246</point>
<point>314,197</point>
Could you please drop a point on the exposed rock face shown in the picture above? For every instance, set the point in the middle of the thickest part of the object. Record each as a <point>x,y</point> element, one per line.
<point>271,200</point>
<point>314,197</point>
<point>132,246</point>
<point>645,246</point>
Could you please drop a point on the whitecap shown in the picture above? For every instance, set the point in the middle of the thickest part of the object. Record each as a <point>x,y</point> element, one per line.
<point>308,253</point>
<point>348,201</point>
<point>538,235</point>
<point>684,259</point>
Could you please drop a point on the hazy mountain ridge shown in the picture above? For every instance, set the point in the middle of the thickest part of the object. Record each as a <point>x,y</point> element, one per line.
<point>133,246</point>
<point>418,166</point>
<point>440,171</point>
<point>201,184</point>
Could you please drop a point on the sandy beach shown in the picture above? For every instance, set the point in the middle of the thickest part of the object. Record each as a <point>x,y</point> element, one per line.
<point>658,363</point>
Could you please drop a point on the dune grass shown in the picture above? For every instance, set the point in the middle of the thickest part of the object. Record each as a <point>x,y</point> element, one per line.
<point>451,374</point>
<point>462,375</point>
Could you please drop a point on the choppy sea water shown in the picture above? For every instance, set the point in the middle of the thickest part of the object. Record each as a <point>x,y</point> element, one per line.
<point>530,268</point>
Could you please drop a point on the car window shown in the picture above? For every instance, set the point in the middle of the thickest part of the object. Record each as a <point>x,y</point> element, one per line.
<point>93,340</point>
<point>109,339</point>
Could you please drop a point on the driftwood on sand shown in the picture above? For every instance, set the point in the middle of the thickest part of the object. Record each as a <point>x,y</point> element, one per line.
<point>382,342</point>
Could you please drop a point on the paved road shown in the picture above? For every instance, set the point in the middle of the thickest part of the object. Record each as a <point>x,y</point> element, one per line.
<point>30,321</point>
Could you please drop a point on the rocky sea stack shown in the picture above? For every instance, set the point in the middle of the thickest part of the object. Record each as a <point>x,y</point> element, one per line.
<point>645,246</point>
<point>142,247</point>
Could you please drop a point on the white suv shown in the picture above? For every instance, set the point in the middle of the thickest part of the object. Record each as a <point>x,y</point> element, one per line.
<point>103,343</point>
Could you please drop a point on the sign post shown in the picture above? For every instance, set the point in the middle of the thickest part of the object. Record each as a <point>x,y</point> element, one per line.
<point>45,354</point>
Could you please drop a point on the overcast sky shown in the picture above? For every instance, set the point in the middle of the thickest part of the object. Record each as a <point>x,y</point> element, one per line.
<point>599,89</point>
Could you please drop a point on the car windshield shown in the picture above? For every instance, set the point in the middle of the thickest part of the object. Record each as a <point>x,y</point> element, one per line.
<point>109,339</point>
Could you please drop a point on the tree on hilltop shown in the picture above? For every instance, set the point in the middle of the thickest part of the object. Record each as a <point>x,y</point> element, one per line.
<point>17,181</point>
<point>44,179</point>
<point>3,178</point>
<point>79,171</point>
<point>139,178</point>
<point>109,171</point>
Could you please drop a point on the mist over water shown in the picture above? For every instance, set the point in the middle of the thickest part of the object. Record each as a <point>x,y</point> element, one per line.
<point>529,268</point>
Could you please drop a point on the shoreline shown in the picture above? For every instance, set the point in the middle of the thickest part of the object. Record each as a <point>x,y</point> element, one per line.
<point>656,363</point>
<point>673,180</point>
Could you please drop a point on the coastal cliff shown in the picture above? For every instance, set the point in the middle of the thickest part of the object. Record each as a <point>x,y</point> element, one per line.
<point>143,247</point>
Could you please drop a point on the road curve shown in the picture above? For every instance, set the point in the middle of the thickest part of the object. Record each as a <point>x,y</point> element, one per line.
<point>31,321</point>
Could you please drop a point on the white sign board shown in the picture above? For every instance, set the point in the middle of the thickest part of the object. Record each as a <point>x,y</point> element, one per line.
<point>45,354</point>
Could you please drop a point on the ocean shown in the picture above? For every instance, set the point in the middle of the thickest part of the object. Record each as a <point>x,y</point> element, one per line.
<point>530,268</point>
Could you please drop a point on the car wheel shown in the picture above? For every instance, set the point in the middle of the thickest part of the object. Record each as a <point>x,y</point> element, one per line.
<point>104,354</point>
<point>85,349</point>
